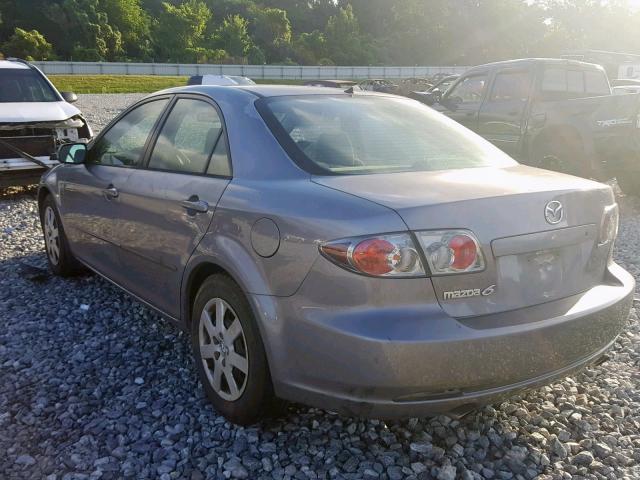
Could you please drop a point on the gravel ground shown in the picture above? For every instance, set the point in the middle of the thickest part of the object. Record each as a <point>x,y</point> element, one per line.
<point>94,385</point>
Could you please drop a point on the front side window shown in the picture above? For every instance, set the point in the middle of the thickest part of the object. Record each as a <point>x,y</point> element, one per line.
<point>511,86</point>
<point>123,145</point>
<point>468,90</point>
<point>22,85</point>
<point>343,135</point>
<point>188,138</point>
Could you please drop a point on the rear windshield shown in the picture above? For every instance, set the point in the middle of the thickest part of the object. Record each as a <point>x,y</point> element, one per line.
<point>22,85</point>
<point>348,135</point>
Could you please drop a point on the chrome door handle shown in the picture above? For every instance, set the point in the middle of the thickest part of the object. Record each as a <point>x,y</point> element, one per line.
<point>199,206</point>
<point>111,192</point>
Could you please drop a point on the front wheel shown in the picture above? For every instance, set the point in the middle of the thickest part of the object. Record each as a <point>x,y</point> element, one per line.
<point>61,260</point>
<point>229,354</point>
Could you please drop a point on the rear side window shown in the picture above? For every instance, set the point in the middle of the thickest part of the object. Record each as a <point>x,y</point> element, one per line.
<point>123,145</point>
<point>188,138</point>
<point>563,83</point>
<point>511,86</point>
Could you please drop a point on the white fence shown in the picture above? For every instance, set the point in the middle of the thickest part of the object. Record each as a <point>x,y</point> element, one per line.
<point>252,71</point>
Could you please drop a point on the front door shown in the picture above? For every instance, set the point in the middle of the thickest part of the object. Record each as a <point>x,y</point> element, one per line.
<point>463,101</point>
<point>502,114</point>
<point>90,190</point>
<point>168,207</point>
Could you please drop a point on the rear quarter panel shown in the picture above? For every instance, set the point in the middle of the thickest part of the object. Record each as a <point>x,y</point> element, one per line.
<point>306,214</point>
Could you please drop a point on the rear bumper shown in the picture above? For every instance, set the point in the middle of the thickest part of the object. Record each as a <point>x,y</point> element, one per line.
<point>413,361</point>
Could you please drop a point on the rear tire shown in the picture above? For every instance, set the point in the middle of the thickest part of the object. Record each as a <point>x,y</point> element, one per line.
<point>560,154</point>
<point>61,260</point>
<point>229,353</point>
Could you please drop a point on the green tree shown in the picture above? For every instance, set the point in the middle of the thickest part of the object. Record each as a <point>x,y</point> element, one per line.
<point>80,25</point>
<point>309,48</point>
<point>179,31</point>
<point>233,36</point>
<point>271,30</point>
<point>128,17</point>
<point>30,45</point>
<point>346,44</point>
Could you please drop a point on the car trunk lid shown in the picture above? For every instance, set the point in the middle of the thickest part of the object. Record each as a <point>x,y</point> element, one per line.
<point>528,259</point>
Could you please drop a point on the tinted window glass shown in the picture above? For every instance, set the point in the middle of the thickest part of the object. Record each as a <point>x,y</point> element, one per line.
<point>123,145</point>
<point>469,90</point>
<point>355,135</point>
<point>560,83</point>
<point>187,138</point>
<point>509,86</point>
<point>575,81</point>
<point>219,164</point>
<point>596,83</point>
<point>554,80</point>
<point>24,85</point>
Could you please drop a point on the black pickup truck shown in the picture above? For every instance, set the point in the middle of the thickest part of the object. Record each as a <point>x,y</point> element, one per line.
<point>551,113</point>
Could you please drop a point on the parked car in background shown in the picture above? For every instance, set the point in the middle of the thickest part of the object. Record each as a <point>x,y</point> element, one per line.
<point>379,85</point>
<point>34,118</point>
<point>331,83</point>
<point>222,80</point>
<point>435,92</point>
<point>407,86</point>
<point>354,251</point>
<point>626,90</point>
<point>551,113</point>
<point>625,82</point>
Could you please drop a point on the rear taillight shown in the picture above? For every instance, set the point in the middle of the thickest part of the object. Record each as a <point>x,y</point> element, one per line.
<point>609,227</point>
<point>452,251</point>
<point>380,256</point>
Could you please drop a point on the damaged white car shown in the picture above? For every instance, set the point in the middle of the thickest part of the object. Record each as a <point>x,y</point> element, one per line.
<point>35,119</point>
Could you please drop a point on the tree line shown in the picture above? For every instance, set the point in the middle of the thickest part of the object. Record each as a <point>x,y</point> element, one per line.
<point>313,32</point>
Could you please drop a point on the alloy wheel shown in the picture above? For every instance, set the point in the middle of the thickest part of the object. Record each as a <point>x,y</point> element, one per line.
<point>51,235</point>
<point>223,349</point>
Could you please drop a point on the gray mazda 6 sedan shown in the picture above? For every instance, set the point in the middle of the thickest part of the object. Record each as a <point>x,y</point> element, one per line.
<point>353,251</point>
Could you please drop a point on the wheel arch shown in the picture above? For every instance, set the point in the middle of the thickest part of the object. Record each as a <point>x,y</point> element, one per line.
<point>43,192</point>
<point>197,271</point>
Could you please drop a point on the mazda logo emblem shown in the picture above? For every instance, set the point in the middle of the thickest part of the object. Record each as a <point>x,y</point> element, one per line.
<point>554,212</point>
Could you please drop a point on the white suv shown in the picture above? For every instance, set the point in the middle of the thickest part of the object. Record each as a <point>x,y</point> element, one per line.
<point>35,119</point>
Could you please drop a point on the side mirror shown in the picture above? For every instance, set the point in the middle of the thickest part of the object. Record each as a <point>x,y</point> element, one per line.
<point>69,97</point>
<point>74,153</point>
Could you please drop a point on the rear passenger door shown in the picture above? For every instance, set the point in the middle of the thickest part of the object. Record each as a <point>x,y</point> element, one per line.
<point>167,207</point>
<point>502,114</point>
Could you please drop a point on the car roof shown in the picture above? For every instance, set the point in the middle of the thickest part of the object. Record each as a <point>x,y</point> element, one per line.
<point>11,64</point>
<point>255,90</point>
<point>530,61</point>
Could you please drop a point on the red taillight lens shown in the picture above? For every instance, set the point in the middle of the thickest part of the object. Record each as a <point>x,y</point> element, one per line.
<point>451,251</point>
<point>464,252</point>
<point>375,257</point>
<point>384,255</point>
